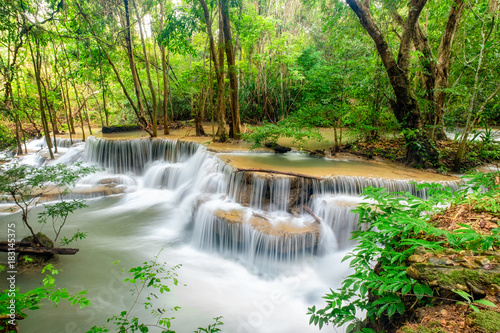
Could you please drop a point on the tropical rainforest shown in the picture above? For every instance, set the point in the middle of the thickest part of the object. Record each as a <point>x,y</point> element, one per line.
<point>257,69</point>
<point>415,82</point>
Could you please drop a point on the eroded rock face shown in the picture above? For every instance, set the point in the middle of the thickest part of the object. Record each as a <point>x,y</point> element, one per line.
<point>299,190</point>
<point>476,273</point>
<point>82,192</point>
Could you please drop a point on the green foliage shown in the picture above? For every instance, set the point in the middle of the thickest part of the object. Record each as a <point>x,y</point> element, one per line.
<point>177,31</point>
<point>7,138</point>
<point>212,328</point>
<point>32,299</point>
<point>489,321</point>
<point>287,129</point>
<point>392,226</point>
<point>58,213</point>
<point>148,280</point>
<point>25,184</point>
<point>471,302</point>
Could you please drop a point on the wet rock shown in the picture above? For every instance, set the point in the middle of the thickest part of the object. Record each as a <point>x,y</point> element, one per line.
<point>420,250</point>
<point>413,272</point>
<point>470,265</point>
<point>494,289</point>
<point>477,291</point>
<point>459,259</point>
<point>278,148</point>
<point>306,236</point>
<point>417,258</point>
<point>434,283</point>
<point>467,253</point>
<point>435,261</point>
<point>482,261</point>
<point>446,262</point>
<point>459,286</point>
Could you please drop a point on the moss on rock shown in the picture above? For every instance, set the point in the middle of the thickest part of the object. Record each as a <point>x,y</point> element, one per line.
<point>488,321</point>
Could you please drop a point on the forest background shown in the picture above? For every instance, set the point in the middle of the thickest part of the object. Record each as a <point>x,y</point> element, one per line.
<point>408,68</point>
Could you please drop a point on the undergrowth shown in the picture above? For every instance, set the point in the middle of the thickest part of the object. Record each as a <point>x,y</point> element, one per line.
<point>396,225</point>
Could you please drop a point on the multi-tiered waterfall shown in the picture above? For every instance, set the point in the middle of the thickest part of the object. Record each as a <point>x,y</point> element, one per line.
<point>242,236</point>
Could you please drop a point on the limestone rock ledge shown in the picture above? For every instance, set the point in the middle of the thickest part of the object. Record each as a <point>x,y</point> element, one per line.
<point>305,237</point>
<point>473,272</point>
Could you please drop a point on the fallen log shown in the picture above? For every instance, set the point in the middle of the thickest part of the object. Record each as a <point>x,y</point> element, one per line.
<point>4,247</point>
<point>7,317</point>
<point>317,219</point>
<point>279,173</point>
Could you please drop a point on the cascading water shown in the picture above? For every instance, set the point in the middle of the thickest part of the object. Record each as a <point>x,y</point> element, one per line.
<point>245,235</point>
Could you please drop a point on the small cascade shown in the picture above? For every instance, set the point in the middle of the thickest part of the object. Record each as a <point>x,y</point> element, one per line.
<point>265,245</point>
<point>60,142</point>
<point>355,185</point>
<point>336,212</point>
<point>122,156</point>
<point>258,191</point>
<point>280,193</point>
<point>162,175</point>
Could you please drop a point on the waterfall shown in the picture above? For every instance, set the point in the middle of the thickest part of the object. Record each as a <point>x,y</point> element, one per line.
<point>336,212</point>
<point>60,142</point>
<point>355,185</point>
<point>258,191</point>
<point>256,219</point>
<point>263,245</point>
<point>121,156</point>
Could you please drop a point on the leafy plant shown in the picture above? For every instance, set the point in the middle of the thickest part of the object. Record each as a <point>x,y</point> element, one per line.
<point>58,213</point>
<point>471,302</point>
<point>395,226</point>
<point>32,299</point>
<point>288,129</point>
<point>25,185</point>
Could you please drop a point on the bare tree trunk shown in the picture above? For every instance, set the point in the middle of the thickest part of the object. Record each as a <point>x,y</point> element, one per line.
<point>51,118</point>
<point>66,111</point>
<point>442,68</point>
<point>218,61</point>
<point>420,151</point>
<point>106,115</point>
<point>164,71</point>
<point>36,58</point>
<point>148,72</point>
<point>231,66</point>
<point>130,54</point>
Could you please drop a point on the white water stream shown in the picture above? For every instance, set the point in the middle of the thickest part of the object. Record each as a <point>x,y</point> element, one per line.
<point>176,198</point>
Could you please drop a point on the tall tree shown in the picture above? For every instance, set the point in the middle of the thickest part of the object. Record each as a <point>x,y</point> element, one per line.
<point>218,62</point>
<point>232,70</point>
<point>420,150</point>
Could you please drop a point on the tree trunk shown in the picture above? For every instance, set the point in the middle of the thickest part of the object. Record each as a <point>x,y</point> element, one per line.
<point>218,61</point>
<point>420,150</point>
<point>148,72</point>
<point>221,88</point>
<point>231,66</point>
<point>36,58</point>
<point>442,68</point>
<point>130,54</point>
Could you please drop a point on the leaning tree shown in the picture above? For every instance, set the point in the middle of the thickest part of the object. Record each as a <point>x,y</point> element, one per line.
<point>420,149</point>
